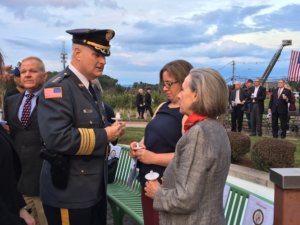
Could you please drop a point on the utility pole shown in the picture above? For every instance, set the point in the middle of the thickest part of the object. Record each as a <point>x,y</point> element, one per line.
<point>63,55</point>
<point>233,68</point>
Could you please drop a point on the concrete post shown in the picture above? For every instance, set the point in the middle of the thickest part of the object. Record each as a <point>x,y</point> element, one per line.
<point>287,195</point>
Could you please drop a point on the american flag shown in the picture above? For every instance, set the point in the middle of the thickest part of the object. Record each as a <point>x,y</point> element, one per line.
<point>54,92</point>
<point>294,68</point>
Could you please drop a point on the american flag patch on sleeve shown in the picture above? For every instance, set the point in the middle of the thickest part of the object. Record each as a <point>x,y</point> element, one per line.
<point>54,92</point>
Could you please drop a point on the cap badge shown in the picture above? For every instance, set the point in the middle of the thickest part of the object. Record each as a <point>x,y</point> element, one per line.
<point>109,35</point>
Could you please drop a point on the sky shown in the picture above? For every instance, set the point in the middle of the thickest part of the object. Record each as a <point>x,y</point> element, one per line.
<point>151,33</point>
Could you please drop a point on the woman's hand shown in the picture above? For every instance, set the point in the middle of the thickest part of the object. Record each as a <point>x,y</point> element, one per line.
<point>145,156</point>
<point>133,148</point>
<point>151,188</point>
<point>29,220</point>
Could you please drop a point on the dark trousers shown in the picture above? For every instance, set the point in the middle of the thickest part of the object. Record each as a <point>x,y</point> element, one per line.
<point>141,111</point>
<point>148,107</point>
<point>94,215</point>
<point>283,123</point>
<point>248,116</point>
<point>256,119</point>
<point>237,118</point>
<point>151,216</point>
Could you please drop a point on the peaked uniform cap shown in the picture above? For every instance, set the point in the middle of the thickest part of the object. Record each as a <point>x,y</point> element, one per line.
<point>94,38</point>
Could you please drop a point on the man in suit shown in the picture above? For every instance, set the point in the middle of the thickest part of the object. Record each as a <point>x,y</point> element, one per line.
<point>237,100</point>
<point>21,115</point>
<point>13,208</point>
<point>278,106</point>
<point>248,85</point>
<point>257,98</point>
<point>71,120</point>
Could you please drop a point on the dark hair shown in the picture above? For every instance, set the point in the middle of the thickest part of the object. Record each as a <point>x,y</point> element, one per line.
<point>179,69</point>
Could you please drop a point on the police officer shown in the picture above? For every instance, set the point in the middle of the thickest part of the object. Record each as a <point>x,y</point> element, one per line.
<point>71,120</point>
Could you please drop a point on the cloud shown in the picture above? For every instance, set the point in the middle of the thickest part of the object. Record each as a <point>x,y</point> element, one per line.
<point>211,30</point>
<point>198,28</point>
<point>17,5</point>
<point>108,3</point>
<point>284,18</point>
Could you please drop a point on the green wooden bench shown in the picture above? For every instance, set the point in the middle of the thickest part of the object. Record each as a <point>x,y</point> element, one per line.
<point>124,200</point>
<point>236,204</point>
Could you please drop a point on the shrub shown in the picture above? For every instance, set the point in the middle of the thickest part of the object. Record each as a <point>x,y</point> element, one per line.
<point>240,145</point>
<point>273,153</point>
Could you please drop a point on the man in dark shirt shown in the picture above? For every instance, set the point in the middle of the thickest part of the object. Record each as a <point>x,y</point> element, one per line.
<point>148,101</point>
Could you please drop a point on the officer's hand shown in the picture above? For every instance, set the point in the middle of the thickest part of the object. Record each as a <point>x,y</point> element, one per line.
<point>115,131</point>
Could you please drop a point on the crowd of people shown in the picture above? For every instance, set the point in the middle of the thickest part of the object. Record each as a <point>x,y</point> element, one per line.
<point>56,134</point>
<point>250,99</point>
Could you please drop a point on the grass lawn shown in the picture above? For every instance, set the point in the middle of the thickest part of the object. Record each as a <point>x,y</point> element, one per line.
<point>132,134</point>
<point>136,134</point>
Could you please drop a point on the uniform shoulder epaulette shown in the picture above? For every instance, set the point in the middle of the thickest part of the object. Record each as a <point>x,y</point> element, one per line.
<point>58,78</point>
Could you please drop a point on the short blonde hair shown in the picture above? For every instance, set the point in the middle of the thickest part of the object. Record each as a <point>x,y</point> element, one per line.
<point>212,92</point>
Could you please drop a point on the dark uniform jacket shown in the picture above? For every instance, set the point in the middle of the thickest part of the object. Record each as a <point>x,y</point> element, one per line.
<point>260,98</point>
<point>11,201</point>
<point>28,145</point>
<point>278,104</point>
<point>71,124</point>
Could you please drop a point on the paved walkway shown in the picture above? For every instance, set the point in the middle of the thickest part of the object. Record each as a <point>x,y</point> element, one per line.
<point>136,123</point>
<point>126,221</point>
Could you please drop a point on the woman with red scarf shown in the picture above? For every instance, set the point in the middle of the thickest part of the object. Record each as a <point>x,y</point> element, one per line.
<point>192,189</point>
<point>161,133</point>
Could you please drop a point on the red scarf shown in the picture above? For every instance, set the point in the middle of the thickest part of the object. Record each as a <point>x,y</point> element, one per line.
<point>192,120</point>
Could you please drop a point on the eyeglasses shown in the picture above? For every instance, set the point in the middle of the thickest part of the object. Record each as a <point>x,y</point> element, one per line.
<point>169,84</point>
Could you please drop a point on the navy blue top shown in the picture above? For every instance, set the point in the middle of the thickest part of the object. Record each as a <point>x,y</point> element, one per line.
<point>161,136</point>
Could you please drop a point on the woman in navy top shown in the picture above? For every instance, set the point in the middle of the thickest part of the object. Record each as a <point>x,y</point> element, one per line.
<point>161,133</point>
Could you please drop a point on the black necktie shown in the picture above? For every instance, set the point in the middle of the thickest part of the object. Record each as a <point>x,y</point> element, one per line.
<point>92,91</point>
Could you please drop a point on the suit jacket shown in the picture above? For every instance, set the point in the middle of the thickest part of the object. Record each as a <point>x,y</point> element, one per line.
<point>260,98</point>
<point>193,184</point>
<point>11,201</point>
<point>72,125</point>
<point>243,95</point>
<point>278,104</point>
<point>28,145</point>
